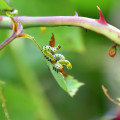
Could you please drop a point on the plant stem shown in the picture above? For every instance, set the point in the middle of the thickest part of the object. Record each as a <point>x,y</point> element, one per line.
<point>3,44</point>
<point>32,38</point>
<point>3,105</point>
<point>107,30</point>
<point>17,30</point>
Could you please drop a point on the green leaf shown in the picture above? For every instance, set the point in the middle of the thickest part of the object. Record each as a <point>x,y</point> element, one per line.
<point>72,85</point>
<point>5,6</point>
<point>69,84</point>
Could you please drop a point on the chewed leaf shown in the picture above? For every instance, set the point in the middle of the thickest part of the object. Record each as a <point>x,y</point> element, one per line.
<point>59,78</point>
<point>57,61</point>
<point>72,85</point>
<point>5,6</point>
<point>69,84</point>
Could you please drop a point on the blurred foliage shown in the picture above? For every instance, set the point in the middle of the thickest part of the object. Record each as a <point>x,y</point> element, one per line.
<point>31,92</point>
<point>4,5</point>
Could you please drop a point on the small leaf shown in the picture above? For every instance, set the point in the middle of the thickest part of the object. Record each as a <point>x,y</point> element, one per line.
<point>43,29</point>
<point>69,84</point>
<point>5,6</point>
<point>52,41</point>
<point>112,51</point>
<point>72,85</point>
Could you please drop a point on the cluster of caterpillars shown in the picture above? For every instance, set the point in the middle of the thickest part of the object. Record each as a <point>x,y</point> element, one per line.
<point>58,60</point>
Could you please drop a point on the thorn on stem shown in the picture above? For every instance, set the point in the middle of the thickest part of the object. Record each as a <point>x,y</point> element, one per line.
<point>101,18</point>
<point>76,14</point>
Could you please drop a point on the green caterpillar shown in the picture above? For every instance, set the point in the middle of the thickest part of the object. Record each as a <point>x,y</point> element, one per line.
<point>58,60</point>
<point>47,52</point>
<point>59,57</point>
<point>58,66</point>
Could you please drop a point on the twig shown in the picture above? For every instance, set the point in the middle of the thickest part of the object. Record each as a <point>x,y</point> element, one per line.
<point>2,45</point>
<point>108,96</point>
<point>17,31</point>
<point>3,105</point>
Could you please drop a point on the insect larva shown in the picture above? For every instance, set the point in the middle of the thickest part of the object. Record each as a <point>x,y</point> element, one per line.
<point>47,52</point>
<point>59,57</point>
<point>58,60</point>
<point>59,65</point>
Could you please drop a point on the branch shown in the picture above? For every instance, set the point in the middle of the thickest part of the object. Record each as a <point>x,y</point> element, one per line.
<point>17,32</point>
<point>117,101</point>
<point>97,25</point>
<point>3,102</point>
<point>11,38</point>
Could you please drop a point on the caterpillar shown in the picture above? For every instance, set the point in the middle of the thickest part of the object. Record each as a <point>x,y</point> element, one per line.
<point>58,60</point>
<point>51,49</point>
<point>58,66</point>
<point>47,52</point>
<point>59,57</point>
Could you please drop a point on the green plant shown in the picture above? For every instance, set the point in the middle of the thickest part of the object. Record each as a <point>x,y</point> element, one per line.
<point>67,82</point>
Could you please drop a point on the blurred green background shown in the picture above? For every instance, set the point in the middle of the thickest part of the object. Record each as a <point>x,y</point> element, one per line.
<point>32,93</point>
